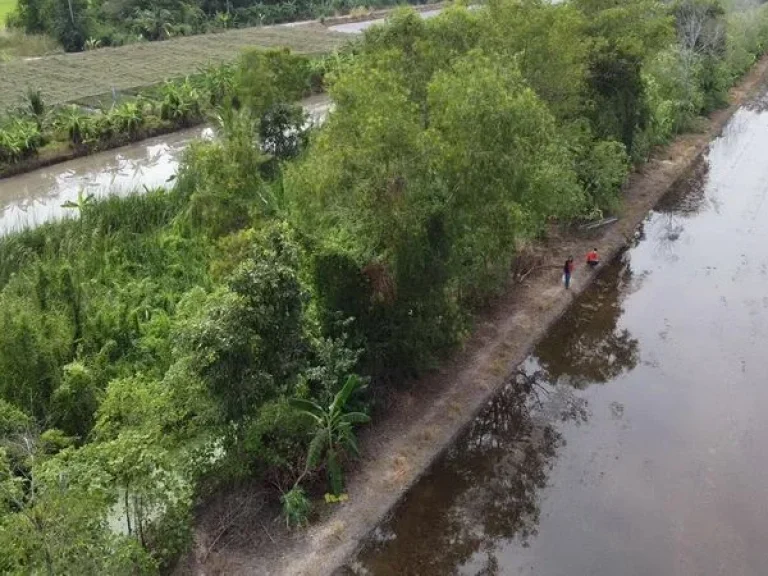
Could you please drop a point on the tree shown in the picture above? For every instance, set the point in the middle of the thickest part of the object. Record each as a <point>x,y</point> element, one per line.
<point>245,341</point>
<point>74,402</point>
<point>72,24</point>
<point>54,517</point>
<point>549,43</point>
<point>504,166</point>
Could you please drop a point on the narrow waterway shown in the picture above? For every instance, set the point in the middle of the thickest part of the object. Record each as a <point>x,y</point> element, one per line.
<point>36,197</point>
<point>632,442</point>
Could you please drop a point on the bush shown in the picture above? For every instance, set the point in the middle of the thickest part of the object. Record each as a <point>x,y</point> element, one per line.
<point>296,507</point>
<point>19,139</point>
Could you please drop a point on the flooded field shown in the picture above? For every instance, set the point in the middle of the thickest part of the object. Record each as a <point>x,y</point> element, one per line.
<point>631,442</point>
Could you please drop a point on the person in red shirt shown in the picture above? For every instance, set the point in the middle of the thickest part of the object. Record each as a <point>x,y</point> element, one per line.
<point>593,259</point>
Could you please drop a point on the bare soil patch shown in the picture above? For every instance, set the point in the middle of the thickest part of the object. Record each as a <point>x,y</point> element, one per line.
<point>425,418</point>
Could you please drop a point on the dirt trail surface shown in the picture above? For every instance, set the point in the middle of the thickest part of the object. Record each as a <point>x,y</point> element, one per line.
<point>422,423</point>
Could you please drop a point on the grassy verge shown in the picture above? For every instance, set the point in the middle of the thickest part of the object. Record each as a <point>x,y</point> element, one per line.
<point>15,45</point>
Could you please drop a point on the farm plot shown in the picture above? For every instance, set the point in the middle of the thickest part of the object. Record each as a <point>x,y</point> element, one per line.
<point>69,77</point>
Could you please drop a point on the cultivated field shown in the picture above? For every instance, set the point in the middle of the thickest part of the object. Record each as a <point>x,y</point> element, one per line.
<point>69,77</point>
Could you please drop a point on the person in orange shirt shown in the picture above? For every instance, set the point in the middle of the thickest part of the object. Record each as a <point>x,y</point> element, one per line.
<point>593,259</point>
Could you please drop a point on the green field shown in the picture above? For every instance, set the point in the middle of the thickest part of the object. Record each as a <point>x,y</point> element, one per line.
<point>68,77</point>
<point>6,6</point>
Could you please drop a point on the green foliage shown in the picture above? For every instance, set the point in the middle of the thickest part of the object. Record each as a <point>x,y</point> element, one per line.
<point>180,102</point>
<point>76,124</point>
<point>126,118</point>
<point>37,105</point>
<point>56,521</point>
<point>71,23</point>
<point>245,340</point>
<point>534,33</point>
<point>296,507</point>
<point>12,420</point>
<point>602,172</point>
<point>74,402</point>
<point>153,342</point>
<point>265,78</point>
<point>19,139</point>
<point>334,431</point>
<point>275,441</point>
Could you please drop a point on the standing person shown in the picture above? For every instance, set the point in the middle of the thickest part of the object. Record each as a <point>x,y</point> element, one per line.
<point>593,259</point>
<point>567,271</point>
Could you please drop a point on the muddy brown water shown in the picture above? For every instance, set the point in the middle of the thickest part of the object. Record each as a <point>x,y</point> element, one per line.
<point>633,440</point>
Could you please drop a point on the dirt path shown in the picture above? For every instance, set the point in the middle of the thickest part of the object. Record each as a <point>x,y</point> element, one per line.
<point>422,423</point>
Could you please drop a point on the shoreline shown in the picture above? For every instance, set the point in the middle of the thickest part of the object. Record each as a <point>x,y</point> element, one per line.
<point>426,416</point>
<point>59,156</point>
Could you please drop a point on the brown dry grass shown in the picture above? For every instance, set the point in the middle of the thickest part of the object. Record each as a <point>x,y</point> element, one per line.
<point>68,77</point>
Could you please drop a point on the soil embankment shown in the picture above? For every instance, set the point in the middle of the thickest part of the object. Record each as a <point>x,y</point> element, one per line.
<point>424,421</point>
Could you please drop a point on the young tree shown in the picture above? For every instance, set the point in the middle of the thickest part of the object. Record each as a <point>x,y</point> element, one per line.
<point>334,432</point>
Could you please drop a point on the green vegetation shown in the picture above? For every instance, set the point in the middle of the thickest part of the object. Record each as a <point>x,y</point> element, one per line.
<point>15,44</point>
<point>63,79</point>
<point>81,25</point>
<point>161,345</point>
<point>33,126</point>
<point>6,7</point>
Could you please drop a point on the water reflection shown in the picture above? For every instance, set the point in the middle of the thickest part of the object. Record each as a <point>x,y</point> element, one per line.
<point>484,491</point>
<point>688,197</point>
<point>587,346</point>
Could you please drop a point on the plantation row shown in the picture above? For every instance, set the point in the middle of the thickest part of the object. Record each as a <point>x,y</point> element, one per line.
<point>242,324</point>
<point>65,78</point>
<point>34,127</point>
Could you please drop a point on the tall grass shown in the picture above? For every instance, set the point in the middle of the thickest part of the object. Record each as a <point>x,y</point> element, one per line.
<point>17,44</point>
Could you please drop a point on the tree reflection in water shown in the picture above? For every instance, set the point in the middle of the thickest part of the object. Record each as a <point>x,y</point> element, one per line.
<point>586,346</point>
<point>483,491</point>
<point>688,196</point>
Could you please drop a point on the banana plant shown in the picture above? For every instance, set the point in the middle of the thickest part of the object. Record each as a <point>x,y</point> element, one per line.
<point>126,118</point>
<point>334,434</point>
<point>82,203</point>
<point>19,139</point>
<point>75,123</point>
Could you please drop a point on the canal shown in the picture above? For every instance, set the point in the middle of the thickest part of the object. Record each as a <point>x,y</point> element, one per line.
<point>30,199</point>
<point>630,442</point>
